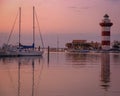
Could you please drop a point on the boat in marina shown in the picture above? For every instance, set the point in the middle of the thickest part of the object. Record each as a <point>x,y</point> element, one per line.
<point>77,51</point>
<point>20,49</point>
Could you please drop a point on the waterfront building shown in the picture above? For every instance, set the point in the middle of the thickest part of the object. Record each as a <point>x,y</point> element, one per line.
<point>83,45</point>
<point>116,45</point>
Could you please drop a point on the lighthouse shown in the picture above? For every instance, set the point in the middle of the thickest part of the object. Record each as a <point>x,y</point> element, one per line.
<point>106,25</point>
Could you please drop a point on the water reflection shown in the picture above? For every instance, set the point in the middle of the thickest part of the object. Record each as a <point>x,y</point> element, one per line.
<point>65,75</point>
<point>31,61</point>
<point>21,72</point>
<point>33,78</point>
<point>116,58</point>
<point>82,59</point>
<point>19,64</point>
<point>105,70</point>
<point>19,75</point>
<point>76,57</point>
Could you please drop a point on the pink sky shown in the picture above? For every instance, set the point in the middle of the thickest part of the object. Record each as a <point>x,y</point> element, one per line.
<point>70,19</point>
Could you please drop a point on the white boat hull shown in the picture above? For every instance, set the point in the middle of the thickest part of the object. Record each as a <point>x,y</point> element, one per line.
<point>31,53</point>
<point>21,53</point>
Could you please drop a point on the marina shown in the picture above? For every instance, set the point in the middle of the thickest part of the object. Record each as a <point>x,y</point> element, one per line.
<point>73,51</point>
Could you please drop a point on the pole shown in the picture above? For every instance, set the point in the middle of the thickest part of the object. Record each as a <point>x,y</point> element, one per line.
<point>48,54</point>
<point>19,24</point>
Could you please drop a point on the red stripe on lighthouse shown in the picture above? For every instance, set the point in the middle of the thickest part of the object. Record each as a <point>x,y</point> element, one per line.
<point>106,24</point>
<point>105,42</point>
<point>106,33</point>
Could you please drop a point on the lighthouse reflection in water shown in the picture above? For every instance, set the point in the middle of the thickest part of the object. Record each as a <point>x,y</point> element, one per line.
<point>105,70</point>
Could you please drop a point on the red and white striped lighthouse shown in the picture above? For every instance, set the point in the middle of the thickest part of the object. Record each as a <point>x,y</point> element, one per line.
<point>106,25</point>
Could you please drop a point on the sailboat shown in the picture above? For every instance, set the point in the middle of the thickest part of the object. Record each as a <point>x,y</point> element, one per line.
<point>20,49</point>
<point>25,50</point>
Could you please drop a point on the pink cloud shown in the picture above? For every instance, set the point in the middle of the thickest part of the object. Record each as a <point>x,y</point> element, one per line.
<point>1,1</point>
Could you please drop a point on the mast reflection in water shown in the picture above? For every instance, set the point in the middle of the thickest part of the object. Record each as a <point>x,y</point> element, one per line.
<point>31,61</point>
<point>19,63</point>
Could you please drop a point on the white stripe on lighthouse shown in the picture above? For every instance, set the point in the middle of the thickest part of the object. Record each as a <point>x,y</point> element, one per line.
<point>106,46</point>
<point>105,28</point>
<point>106,38</point>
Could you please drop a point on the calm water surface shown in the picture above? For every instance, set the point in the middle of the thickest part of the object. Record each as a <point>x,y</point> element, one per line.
<point>95,74</point>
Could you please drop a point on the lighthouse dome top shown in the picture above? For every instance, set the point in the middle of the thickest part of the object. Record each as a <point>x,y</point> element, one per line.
<point>106,16</point>
<point>106,22</point>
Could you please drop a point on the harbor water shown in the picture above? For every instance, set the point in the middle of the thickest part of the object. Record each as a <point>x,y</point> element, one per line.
<point>92,74</point>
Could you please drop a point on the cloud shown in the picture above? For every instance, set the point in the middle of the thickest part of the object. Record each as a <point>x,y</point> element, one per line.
<point>79,9</point>
<point>2,2</point>
<point>112,0</point>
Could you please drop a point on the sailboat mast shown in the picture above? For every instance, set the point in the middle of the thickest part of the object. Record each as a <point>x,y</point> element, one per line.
<point>19,25</point>
<point>33,26</point>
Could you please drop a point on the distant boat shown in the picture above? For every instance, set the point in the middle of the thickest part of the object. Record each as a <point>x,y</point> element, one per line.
<point>20,49</point>
<point>77,51</point>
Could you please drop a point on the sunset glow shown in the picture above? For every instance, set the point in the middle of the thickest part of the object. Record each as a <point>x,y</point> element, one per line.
<point>61,17</point>
<point>59,47</point>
